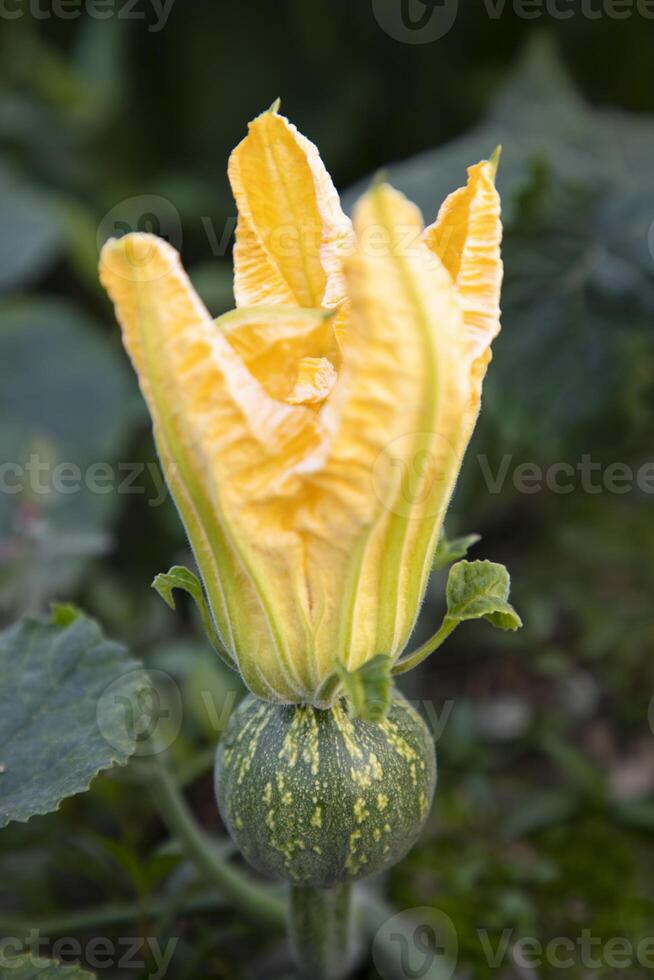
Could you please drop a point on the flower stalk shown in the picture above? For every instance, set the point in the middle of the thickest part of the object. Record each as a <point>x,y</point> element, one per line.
<point>320,932</point>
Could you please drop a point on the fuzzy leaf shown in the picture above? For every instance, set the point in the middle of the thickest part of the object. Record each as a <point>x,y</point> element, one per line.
<point>62,711</point>
<point>31,234</point>
<point>451,549</point>
<point>480,589</point>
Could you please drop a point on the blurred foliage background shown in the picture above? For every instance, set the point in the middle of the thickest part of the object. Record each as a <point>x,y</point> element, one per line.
<point>544,818</point>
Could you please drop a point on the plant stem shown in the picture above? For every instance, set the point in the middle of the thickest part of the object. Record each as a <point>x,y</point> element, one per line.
<point>254,900</point>
<point>320,932</point>
<point>433,643</point>
<point>109,915</point>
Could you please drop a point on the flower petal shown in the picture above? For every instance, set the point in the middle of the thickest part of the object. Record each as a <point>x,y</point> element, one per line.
<point>316,378</point>
<point>403,413</point>
<point>466,236</point>
<point>227,448</point>
<point>273,341</point>
<point>291,231</point>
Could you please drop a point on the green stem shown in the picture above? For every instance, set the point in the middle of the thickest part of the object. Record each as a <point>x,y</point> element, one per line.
<point>408,663</point>
<point>109,915</point>
<point>255,901</point>
<point>320,932</point>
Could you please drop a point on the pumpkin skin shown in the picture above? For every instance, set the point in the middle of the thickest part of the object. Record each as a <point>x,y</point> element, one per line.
<point>317,798</point>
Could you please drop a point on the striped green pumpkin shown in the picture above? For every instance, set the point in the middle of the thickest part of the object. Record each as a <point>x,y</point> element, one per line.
<point>318,798</point>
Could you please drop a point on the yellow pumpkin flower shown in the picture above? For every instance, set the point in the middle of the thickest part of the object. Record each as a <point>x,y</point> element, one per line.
<point>312,437</point>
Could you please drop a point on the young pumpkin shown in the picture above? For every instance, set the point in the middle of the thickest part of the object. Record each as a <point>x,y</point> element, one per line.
<point>319,798</point>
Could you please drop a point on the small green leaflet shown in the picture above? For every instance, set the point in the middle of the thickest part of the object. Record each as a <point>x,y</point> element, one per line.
<point>480,589</point>
<point>179,577</point>
<point>368,689</point>
<point>64,613</point>
<point>451,549</point>
<point>475,590</point>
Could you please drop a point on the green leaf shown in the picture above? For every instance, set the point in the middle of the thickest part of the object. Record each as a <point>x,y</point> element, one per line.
<point>30,236</point>
<point>29,967</point>
<point>451,549</point>
<point>67,404</point>
<point>475,590</point>
<point>64,699</point>
<point>480,589</point>
<point>368,689</point>
<point>179,577</point>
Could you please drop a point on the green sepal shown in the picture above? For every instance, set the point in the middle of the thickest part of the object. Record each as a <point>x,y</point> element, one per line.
<point>368,688</point>
<point>449,550</point>
<point>480,590</point>
<point>179,577</point>
<point>494,159</point>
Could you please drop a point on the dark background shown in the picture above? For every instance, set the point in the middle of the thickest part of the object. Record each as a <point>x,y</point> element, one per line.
<point>544,818</point>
